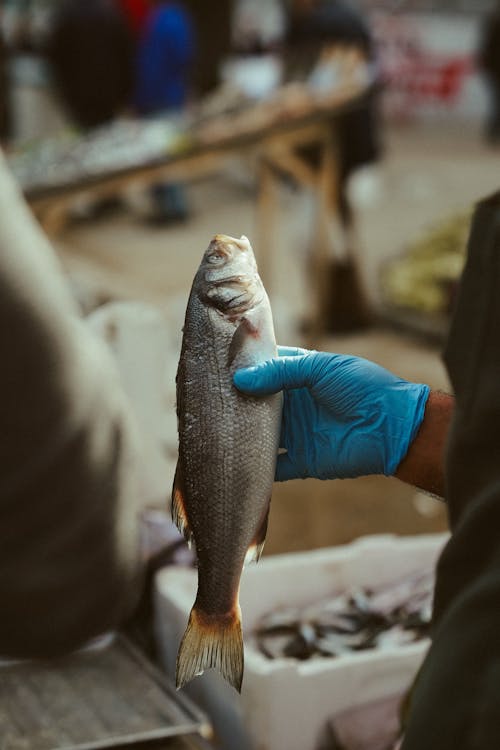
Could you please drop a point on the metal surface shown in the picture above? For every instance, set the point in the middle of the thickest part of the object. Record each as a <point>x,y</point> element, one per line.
<point>91,700</point>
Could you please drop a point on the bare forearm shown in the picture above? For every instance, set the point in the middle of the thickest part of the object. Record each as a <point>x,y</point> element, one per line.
<point>423,465</point>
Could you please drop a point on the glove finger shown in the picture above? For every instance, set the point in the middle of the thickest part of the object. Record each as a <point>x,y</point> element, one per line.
<point>285,469</point>
<point>274,375</point>
<point>291,351</point>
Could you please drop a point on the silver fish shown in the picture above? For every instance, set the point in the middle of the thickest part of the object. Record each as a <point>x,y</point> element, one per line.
<point>228,445</point>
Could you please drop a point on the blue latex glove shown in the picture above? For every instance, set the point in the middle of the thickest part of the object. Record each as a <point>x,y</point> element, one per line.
<point>343,416</point>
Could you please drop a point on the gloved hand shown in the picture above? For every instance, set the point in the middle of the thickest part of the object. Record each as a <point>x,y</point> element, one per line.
<point>343,416</point>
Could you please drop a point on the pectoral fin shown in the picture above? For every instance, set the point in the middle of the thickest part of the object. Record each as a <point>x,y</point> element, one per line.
<point>179,516</point>
<point>246,331</point>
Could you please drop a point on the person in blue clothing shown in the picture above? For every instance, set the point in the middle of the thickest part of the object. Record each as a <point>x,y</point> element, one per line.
<point>164,62</point>
<point>164,59</point>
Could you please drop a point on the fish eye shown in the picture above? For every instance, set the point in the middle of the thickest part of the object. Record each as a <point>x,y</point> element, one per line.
<point>216,258</point>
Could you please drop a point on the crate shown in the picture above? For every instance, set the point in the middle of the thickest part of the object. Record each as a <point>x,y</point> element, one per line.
<point>286,703</point>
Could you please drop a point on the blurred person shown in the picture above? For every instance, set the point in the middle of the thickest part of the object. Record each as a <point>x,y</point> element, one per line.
<point>165,59</point>
<point>70,566</point>
<point>489,62</point>
<point>135,12</point>
<point>258,27</point>
<point>4,91</point>
<point>347,417</point>
<point>164,64</point>
<point>213,28</point>
<point>90,50</point>
<point>313,26</point>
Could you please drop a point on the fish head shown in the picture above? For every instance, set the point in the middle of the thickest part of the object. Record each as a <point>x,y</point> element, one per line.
<point>227,278</point>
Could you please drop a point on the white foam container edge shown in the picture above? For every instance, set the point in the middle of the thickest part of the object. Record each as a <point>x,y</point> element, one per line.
<point>285,703</point>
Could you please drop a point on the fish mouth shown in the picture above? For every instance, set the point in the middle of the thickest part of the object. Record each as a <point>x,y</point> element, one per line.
<point>224,239</point>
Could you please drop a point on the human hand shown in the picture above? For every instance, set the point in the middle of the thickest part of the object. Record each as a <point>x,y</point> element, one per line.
<point>343,416</point>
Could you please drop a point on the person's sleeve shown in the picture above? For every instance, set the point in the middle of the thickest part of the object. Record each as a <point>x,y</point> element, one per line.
<point>487,47</point>
<point>125,54</point>
<point>69,457</point>
<point>455,701</point>
<point>175,37</point>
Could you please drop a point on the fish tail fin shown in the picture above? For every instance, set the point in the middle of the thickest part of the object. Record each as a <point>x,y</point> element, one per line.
<point>211,641</point>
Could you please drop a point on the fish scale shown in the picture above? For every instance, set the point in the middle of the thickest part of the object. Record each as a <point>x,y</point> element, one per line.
<point>228,445</point>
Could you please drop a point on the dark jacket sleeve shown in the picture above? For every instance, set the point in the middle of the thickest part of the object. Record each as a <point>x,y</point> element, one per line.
<point>455,702</point>
<point>69,564</point>
<point>488,56</point>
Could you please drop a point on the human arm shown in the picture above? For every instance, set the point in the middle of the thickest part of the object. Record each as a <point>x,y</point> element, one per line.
<point>343,416</point>
<point>423,465</point>
<point>463,664</point>
<point>69,459</point>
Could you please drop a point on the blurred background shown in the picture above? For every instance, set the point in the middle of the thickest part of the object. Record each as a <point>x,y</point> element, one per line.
<point>349,142</point>
<point>83,96</point>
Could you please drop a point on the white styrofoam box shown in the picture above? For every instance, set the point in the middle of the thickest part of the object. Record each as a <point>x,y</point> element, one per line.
<point>285,703</point>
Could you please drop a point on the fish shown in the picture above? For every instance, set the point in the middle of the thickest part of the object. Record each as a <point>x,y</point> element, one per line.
<point>228,447</point>
<point>354,620</point>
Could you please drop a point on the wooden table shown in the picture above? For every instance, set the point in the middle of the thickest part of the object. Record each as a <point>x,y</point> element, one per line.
<point>275,149</point>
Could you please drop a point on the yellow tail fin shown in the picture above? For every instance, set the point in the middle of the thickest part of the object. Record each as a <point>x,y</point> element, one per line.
<point>211,641</point>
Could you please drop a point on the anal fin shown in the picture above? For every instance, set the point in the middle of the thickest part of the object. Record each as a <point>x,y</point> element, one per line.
<point>254,551</point>
<point>179,516</point>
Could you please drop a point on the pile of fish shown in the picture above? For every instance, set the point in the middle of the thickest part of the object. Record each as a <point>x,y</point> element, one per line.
<point>356,620</point>
<point>72,156</point>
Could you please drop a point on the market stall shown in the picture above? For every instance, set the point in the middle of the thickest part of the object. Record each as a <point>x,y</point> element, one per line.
<point>268,133</point>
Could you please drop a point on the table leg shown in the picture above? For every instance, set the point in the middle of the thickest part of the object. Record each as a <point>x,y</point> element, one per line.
<point>321,253</point>
<point>266,217</point>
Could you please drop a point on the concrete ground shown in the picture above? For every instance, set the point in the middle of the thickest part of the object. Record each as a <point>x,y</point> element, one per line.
<point>425,175</point>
